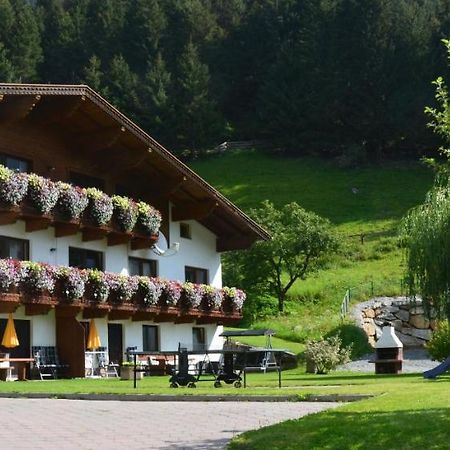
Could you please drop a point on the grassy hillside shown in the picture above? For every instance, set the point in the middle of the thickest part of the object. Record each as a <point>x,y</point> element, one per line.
<point>367,201</point>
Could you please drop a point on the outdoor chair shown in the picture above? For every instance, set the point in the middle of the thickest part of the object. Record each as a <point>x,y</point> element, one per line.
<point>46,362</point>
<point>108,368</point>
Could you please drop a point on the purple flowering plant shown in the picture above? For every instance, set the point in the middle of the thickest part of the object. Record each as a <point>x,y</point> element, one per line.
<point>42,193</point>
<point>98,284</point>
<point>72,200</point>
<point>193,294</point>
<point>100,207</point>
<point>172,292</point>
<point>123,286</point>
<point>13,186</point>
<point>235,296</point>
<point>212,297</point>
<point>9,274</point>
<point>37,278</point>
<point>125,212</point>
<point>149,218</point>
<point>151,289</point>
<point>73,282</point>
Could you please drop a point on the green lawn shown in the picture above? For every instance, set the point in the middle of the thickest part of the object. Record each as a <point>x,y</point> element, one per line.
<point>368,200</point>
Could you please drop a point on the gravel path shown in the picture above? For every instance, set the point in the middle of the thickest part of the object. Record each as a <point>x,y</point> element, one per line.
<point>414,361</point>
<point>83,425</point>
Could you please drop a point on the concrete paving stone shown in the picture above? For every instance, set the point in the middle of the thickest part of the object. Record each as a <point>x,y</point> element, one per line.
<point>84,425</point>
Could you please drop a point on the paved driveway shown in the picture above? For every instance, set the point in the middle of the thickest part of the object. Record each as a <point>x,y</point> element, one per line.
<point>80,424</point>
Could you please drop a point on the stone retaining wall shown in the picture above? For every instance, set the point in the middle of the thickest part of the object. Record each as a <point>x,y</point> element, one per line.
<point>411,324</point>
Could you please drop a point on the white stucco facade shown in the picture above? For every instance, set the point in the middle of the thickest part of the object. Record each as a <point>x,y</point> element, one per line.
<point>199,251</point>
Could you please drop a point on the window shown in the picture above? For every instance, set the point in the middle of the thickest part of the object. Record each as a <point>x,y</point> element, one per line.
<point>85,259</point>
<point>196,275</point>
<point>86,181</point>
<point>13,163</point>
<point>150,338</point>
<point>185,231</point>
<point>14,248</point>
<point>145,267</point>
<point>198,338</point>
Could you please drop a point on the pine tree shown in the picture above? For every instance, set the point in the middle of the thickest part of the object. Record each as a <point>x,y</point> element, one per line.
<point>93,75</point>
<point>25,42</point>
<point>197,119</point>
<point>146,22</point>
<point>122,84</point>
<point>6,68</point>
<point>156,96</point>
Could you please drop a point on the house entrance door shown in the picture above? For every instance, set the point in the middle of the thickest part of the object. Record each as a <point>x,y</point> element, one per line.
<point>115,344</point>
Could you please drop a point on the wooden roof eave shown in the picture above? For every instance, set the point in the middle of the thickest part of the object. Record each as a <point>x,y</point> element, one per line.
<point>245,224</point>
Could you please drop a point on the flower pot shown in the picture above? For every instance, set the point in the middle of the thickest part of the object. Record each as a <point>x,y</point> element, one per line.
<point>126,373</point>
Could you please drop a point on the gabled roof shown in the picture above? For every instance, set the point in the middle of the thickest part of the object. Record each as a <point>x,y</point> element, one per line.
<point>94,122</point>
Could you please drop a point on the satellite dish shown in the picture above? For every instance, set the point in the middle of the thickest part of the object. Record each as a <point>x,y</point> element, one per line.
<point>162,249</point>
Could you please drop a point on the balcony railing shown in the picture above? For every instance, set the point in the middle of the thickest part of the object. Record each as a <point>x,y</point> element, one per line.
<point>41,203</point>
<point>41,287</point>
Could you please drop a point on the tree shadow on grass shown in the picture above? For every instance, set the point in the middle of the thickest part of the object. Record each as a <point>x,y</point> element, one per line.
<point>399,429</point>
<point>351,377</point>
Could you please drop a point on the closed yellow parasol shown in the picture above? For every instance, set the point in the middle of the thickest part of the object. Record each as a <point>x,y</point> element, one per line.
<point>93,338</point>
<point>10,339</point>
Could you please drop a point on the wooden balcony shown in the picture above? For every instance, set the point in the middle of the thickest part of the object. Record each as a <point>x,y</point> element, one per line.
<point>136,311</point>
<point>34,221</point>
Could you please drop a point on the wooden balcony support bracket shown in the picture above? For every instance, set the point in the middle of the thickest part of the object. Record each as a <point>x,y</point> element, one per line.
<point>8,217</point>
<point>36,223</point>
<point>13,108</point>
<point>117,314</point>
<point>96,311</point>
<point>141,242</point>
<point>193,210</point>
<point>66,228</point>
<point>141,316</point>
<point>68,310</point>
<point>100,140</point>
<point>93,233</point>
<point>204,320</point>
<point>165,317</point>
<point>117,238</point>
<point>9,303</point>
<point>185,318</point>
<point>37,309</point>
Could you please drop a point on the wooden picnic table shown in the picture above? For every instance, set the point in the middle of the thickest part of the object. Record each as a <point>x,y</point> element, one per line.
<point>20,364</point>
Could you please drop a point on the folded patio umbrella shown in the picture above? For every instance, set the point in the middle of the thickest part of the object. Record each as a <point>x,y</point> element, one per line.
<point>93,338</point>
<point>10,339</point>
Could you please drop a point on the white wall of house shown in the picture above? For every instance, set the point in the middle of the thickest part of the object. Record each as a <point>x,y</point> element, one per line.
<point>199,252</point>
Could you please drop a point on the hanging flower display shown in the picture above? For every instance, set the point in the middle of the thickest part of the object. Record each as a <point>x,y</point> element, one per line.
<point>125,212</point>
<point>97,283</point>
<point>9,274</point>
<point>212,297</point>
<point>171,292</point>
<point>149,218</point>
<point>37,278</point>
<point>72,200</point>
<point>100,206</point>
<point>193,294</point>
<point>13,186</point>
<point>151,289</point>
<point>73,282</point>
<point>42,193</point>
<point>122,286</point>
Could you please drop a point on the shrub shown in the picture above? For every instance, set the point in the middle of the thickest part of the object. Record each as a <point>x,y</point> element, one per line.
<point>98,284</point>
<point>439,344</point>
<point>43,193</point>
<point>72,200</point>
<point>149,218</point>
<point>100,207</point>
<point>73,282</point>
<point>13,186</point>
<point>151,289</point>
<point>122,286</point>
<point>327,354</point>
<point>171,291</point>
<point>37,278</point>
<point>193,294</point>
<point>8,274</point>
<point>212,297</point>
<point>125,212</point>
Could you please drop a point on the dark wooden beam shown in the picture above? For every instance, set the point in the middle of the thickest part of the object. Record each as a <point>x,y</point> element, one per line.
<point>119,315</point>
<point>185,319</point>
<point>117,238</point>
<point>99,140</point>
<point>37,309</point>
<point>67,310</point>
<point>53,109</point>
<point>36,223</point>
<point>94,312</point>
<point>13,108</point>
<point>141,316</point>
<point>233,243</point>
<point>193,211</point>
<point>66,229</point>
